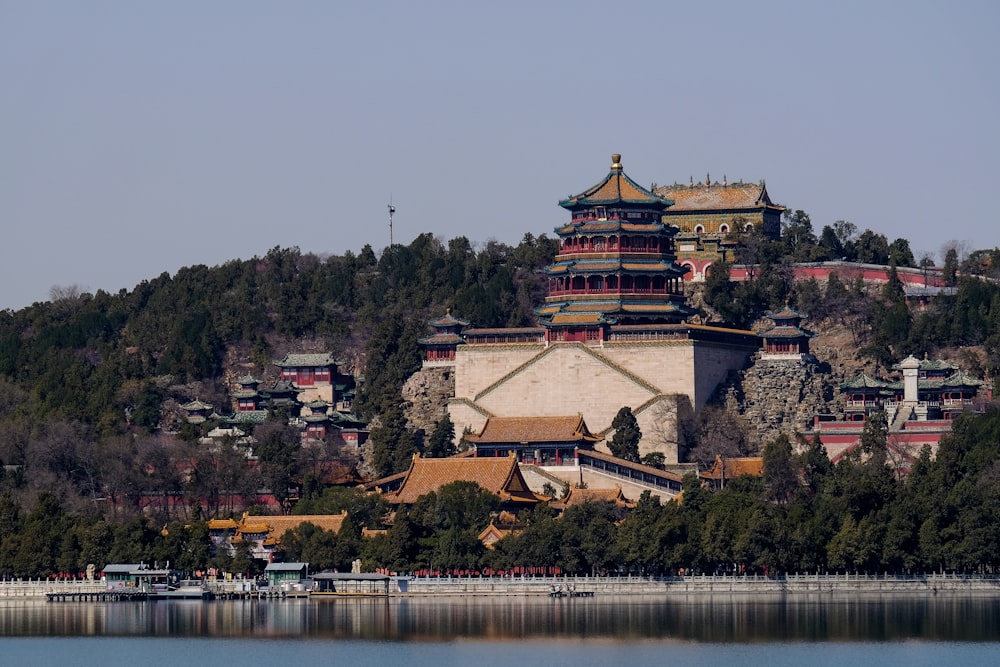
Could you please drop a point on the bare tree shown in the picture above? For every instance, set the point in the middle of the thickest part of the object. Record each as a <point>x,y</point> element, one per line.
<point>719,431</point>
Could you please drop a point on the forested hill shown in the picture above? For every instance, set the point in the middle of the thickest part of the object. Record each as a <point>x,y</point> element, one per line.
<point>102,365</point>
<point>92,358</point>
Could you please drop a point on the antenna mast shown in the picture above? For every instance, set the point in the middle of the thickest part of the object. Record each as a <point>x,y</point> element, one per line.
<point>392,209</point>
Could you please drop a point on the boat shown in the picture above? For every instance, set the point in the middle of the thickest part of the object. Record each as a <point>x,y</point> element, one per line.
<point>183,590</point>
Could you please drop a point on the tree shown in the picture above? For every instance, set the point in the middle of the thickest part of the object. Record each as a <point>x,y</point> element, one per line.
<point>442,440</point>
<point>654,460</point>
<point>276,447</point>
<point>900,253</point>
<point>625,442</point>
<point>797,229</point>
<point>950,270</point>
<point>873,248</point>
<point>718,431</point>
<point>780,478</point>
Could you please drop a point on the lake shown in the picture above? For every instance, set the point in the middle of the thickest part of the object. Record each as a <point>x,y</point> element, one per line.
<point>774,630</point>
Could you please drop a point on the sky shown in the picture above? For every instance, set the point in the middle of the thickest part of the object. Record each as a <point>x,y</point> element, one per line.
<point>137,138</point>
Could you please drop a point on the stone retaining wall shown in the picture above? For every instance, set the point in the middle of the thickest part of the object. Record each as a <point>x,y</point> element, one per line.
<point>801,584</point>
<point>791,584</point>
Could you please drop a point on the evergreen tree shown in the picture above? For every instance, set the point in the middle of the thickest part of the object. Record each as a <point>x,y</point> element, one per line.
<point>442,441</point>
<point>625,442</point>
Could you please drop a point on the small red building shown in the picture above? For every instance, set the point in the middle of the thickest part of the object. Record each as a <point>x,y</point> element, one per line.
<point>786,339</point>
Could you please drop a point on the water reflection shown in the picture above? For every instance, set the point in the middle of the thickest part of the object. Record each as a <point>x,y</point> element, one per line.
<point>717,618</point>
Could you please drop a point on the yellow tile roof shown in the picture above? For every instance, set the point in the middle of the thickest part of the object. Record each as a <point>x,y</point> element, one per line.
<point>578,496</point>
<point>701,197</point>
<point>276,526</point>
<point>585,318</point>
<point>534,429</point>
<point>615,188</point>
<point>498,475</point>
<point>735,467</point>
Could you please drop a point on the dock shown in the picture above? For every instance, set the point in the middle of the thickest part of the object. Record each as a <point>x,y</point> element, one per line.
<point>117,595</point>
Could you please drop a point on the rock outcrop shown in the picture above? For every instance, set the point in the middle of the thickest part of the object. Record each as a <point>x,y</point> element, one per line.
<point>426,393</point>
<point>782,396</point>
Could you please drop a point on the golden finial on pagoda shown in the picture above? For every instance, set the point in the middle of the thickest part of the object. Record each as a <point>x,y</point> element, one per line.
<point>616,161</point>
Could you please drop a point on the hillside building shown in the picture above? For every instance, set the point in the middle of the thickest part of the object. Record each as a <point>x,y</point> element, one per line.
<point>710,215</point>
<point>612,331</point>
<point>919,408</point>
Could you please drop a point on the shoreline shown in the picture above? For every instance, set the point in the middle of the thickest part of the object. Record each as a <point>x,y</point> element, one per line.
<point>979,585</point>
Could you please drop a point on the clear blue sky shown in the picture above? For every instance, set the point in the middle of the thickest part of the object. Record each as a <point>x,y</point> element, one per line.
<point>141,137</point>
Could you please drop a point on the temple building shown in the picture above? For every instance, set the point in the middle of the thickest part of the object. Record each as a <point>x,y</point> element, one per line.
<point>726,469</point>
<point>197,412</point>
<point>263,532</point>
<point>933,389</point>
<point>440,347</point>
<point>709,215</point>
<point>500,476</point>
<point>919,409</point>
<point>786,340</point>
<point>612,331</point>
<point>541,441</point>
<point>615,263</point>
<point>318,377</point>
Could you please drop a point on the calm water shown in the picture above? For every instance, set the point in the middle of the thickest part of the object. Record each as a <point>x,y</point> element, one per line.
<point>415,632</point>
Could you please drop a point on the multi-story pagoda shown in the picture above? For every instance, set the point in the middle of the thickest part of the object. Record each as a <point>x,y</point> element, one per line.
<point>615,263</point>
<point>612,331</point>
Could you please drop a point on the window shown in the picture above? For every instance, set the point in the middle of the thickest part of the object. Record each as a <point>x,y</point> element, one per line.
<point>724,228</point>
<point>602,213</point>
<point>699,229</point>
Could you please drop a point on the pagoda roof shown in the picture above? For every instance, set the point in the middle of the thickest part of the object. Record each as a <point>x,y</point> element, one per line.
<point>247,379</point>
<point>716,196</point>
<point>605,226</point>
<point>195,405</point>
<point>441,339</point>
<point>306,360</point>
<point>578,496</point>
<point>785,313</point>
<point>953,381</point>
<point>616,264</point>
<point>347,420</point>
<point>493,534</point>
<point>937,365</point>
<point>245,393</point>
<point>787,332</point>
<point>655,308</point>
<point>864,381</point>
<point>527,430</point>
<point>931,365</point>
<point>316,418</point>
<point>616,188</point>
<point>279,387</point>
<point>569,319</point>
<point>248,417</point>
<point>570,312</point>
<point>498,475</point>
<point>448,320</point>
<point>318,403</point>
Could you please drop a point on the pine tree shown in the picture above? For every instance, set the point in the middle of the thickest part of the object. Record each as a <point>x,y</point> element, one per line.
<point>625,442</point>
